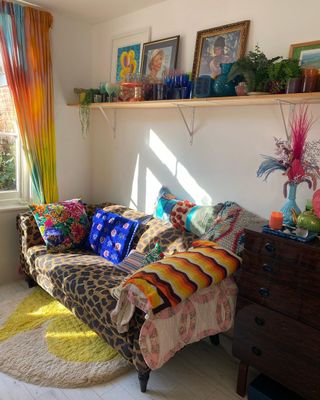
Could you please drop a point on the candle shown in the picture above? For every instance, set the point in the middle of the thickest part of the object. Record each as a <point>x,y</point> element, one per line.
<point>276,220</point>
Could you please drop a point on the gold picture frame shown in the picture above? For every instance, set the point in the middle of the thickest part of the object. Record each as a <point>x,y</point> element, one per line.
<point>308,53</point>
<point>231,41</point>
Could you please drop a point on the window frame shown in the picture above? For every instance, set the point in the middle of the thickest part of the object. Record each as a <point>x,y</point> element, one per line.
<point>20,196</point>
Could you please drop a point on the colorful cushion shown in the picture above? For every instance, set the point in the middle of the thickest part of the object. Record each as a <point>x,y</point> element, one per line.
<point>184,214</point>
<point>171,280</point>
<point>132,263</point>
<point>111,235</point>
<point>154,254</point>
<point>63,225</point>
<point>228,227</point>
<point>170,239</point>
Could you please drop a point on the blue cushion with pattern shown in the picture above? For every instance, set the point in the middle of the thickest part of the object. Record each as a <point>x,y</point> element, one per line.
<point>111,235</point>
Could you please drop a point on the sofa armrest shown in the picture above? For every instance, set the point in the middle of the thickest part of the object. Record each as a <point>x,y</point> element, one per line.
<point>29,235</point>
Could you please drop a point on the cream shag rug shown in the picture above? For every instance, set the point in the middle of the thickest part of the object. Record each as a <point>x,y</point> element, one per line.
<point>43,343</point>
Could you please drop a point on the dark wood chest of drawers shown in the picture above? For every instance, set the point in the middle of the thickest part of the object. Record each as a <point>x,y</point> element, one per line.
<point>277,325</point>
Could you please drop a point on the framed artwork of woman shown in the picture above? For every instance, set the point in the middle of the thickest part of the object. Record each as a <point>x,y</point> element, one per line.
<point>159,57</point>
<point>216,46</point>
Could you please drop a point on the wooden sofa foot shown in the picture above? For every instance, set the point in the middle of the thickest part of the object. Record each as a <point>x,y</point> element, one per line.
<point>242,379</point>
<point>143,380</point>
<point>31,282</point>
<point>215,340</point>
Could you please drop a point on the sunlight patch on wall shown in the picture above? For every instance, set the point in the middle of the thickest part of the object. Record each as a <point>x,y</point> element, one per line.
<point>135,189</point>
<point>179,171</point>
<point>164,154</point>
<point>152,189</point>
<point>191,186</point>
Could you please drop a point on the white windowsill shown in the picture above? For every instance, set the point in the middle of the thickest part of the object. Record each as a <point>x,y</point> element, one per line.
<point>13,206</point>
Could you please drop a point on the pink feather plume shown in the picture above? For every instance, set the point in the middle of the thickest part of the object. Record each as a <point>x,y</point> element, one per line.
<point>300,125</point>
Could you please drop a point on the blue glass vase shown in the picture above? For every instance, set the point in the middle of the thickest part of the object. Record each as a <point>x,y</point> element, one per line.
<point>289,205</point>
<point>221,85</point>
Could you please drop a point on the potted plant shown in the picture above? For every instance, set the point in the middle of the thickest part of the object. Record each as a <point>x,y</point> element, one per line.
<point>85,99</point>
<point>254,70</point>
<point>284,76</point>
<point>294,76</point>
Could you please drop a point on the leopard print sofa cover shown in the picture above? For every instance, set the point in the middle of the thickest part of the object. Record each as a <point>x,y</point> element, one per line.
<point>82,280</point>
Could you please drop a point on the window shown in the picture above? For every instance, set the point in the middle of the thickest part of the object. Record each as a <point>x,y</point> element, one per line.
<point>14,182</point>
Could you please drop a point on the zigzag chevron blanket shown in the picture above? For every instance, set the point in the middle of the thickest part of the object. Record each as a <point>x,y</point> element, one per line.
<point>171,280</point>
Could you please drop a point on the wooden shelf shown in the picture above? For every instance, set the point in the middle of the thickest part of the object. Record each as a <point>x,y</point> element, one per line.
<point>271,99</point>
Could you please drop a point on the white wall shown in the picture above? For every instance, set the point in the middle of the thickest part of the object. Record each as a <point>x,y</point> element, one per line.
<point>71,54</point>
<point>71,48</point>
<point>222,163</point>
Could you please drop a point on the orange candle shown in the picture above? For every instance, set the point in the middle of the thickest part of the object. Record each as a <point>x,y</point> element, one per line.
<point>276,220</point>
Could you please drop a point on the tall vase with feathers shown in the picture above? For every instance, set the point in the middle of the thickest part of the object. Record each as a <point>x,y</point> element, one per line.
<point>297,159</point>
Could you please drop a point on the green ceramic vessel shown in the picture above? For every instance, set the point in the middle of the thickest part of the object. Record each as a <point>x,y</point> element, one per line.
<point>308,220</point>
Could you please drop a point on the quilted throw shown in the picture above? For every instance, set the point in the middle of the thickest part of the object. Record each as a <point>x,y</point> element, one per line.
<point>171,280</point>
<point>111,235</point>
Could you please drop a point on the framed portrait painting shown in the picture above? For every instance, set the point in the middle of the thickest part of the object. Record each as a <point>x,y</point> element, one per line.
<point>126,53</point>
<point>307,53</point>
<point>224,44</point>
<point>159,57</point>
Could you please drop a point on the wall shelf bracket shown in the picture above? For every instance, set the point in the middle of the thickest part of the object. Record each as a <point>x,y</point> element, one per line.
<point>112,123</point>
<point>189,126</point>
<point>286,124</point>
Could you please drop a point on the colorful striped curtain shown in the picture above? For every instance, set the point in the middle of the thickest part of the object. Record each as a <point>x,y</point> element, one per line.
<point>26,53</point>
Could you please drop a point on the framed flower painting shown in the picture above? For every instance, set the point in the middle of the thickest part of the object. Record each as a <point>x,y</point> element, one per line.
<point>126,53</point>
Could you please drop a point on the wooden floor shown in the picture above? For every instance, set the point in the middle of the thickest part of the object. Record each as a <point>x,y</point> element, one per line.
<point>201,371</point>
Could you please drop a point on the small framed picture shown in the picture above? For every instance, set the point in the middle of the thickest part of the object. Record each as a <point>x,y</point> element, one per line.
<point>126,53</point>
<point>159,57</point>
<point>215,46</point>
<point>307,53</point>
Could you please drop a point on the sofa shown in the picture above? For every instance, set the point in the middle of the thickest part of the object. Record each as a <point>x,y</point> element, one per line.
<point>83,282</point>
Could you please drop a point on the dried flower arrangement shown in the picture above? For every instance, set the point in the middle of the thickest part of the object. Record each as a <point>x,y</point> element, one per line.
<point>296,157</point>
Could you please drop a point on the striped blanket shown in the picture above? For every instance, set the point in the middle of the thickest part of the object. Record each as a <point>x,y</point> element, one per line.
<point>171,280</point>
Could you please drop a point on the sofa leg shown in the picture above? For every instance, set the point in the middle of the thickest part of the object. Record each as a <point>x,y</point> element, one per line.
<point>215,340</point>
<point>143,380</point>
<point>31,283</point>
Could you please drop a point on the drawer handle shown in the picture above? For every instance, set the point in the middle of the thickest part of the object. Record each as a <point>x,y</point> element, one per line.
<point>255,350</point>
<point>264,292</point>
<point>270,247</point>
<point>267,268</point>
<point>259,321</point>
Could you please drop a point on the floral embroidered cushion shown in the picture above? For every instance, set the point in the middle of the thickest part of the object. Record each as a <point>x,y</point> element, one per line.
<point>111,235</point>
<point>63,225</point>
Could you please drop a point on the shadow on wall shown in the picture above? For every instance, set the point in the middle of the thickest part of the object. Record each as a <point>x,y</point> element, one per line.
<point>150,152</point>
<point>146,182</point>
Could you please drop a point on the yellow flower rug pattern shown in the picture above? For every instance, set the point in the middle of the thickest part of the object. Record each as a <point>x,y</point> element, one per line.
<point>42,342</point>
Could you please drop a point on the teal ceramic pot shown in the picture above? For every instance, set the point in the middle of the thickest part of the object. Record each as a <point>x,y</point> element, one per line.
<point>221,85</point>
<point>308,220</point>
<point>290,205</point>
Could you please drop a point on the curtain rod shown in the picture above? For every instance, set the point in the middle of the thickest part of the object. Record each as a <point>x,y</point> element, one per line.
<point>27,4</point>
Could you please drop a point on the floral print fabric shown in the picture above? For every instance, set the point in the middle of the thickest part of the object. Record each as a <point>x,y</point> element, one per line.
<point>63,225</point>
